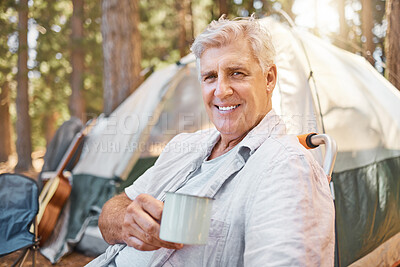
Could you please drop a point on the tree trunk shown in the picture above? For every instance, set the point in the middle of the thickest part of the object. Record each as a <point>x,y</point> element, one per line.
<point>342,19</point>
<point>24,143</point>
<point>250,7</point>
<point>50,126</point>
<point>393,42</point>
<point>267,8</point>
<point>121,51</point>
<point>181,9</point>
<point>5,131</point>
<point>76,102</point>
<point>367,23</point>
<point>190,36</point>
<point>223,7</point>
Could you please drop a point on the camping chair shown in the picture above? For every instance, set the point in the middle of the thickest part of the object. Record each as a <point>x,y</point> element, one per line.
<point>313,140</point>
<point>19,207</point>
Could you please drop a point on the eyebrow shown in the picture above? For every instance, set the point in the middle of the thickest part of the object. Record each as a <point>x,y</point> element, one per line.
<point>235,68</point>
<point>230,69</point>
<point>207,73</point>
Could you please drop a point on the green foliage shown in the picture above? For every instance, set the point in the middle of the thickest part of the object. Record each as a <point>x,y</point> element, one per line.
<point>203,13</point>
<point>51,71</point>
<point>159,32</point>
<point>51,68</point>
<point>93,76</point>
<point>159,29</point>
<point>8,49</point>
<point>8,22</point>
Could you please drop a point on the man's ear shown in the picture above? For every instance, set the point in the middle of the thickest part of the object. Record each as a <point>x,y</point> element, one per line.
<point>271,77</point>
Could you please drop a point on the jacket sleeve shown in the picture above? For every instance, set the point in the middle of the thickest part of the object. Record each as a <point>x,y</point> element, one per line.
<point>291,218</point>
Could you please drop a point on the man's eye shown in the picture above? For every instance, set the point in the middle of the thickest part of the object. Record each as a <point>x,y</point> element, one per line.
<point>210,77</point>
<point>238,73</point>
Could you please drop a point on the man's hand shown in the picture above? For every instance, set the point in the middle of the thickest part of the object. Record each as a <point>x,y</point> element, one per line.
<point>141,226</point>
<point>135,223</point>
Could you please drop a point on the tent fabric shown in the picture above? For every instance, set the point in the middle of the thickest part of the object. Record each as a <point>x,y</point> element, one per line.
<point>59,144</point>
<point>114,139</point>
<point>57,148</point>
<point>19,206</point>
<point>117,140</point>
<point>292,97</point>
<point>183,112</point>
<point>360,109</point>
<point>365,119</point>
<point>140,167</point>
<point>91,191</point>
<point>88,195</point>
<point>367,207</point>
<point>92,243</point>
<point>385,255</point>
<point>320,88</point>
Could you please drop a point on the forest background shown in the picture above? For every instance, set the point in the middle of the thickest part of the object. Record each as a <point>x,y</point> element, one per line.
<point>83,57</point>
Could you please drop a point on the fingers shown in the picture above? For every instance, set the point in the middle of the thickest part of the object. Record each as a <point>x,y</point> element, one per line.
<point>146,222</point>
<point>137,214</point>
<point>152,206</point>
<point>139,244</point>
<point>145,241</point>
<point>141,226</point>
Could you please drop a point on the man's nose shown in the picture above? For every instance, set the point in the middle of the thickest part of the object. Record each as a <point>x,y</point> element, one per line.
<point>223,88</point>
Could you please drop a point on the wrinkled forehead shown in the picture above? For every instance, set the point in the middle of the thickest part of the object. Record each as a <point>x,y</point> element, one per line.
<point>241,46</point>
<point>237,55</point>
<point>234,53</point>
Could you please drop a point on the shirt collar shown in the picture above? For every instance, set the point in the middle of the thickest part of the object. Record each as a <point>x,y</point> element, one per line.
<point>271,124</point>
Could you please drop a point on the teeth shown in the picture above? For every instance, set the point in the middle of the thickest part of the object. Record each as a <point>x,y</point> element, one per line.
<point>227,108</point>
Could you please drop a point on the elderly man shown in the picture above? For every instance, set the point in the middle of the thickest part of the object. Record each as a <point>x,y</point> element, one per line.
<point>272,202</point>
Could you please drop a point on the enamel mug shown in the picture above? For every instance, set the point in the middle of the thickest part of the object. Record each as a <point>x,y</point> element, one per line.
<point>186,219</point>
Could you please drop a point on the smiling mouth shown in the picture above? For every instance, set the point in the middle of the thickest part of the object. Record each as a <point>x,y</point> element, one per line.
<point>227,108</point>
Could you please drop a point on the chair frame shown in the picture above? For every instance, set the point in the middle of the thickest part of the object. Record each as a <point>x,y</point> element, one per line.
<point>34,248</point>
<point>313,140</point>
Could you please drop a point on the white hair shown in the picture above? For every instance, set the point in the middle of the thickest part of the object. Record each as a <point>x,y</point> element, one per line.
<point>223,32</point>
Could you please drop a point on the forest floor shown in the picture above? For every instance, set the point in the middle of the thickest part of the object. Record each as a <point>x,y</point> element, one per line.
<point>73,259</point>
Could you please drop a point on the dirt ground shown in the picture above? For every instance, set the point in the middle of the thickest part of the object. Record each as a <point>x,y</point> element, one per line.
<point>74,259</point>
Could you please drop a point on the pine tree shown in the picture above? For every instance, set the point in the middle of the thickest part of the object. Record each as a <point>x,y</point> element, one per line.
<point>367,25</point>
<point>24,143</point>
<point>7,78</point>
<point>121,50</point>
<point>76,100</point>
<point>393,42</point>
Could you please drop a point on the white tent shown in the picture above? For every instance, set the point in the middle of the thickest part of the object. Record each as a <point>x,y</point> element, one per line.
<point>320,88</point>
<point>172,95</point>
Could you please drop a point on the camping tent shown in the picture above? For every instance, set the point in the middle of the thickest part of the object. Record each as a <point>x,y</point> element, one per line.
<point>320,88</point>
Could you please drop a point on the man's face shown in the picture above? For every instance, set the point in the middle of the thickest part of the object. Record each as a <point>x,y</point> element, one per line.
<point>235,90</point>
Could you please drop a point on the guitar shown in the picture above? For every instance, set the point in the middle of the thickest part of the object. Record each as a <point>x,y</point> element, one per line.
<point>56,191</point>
